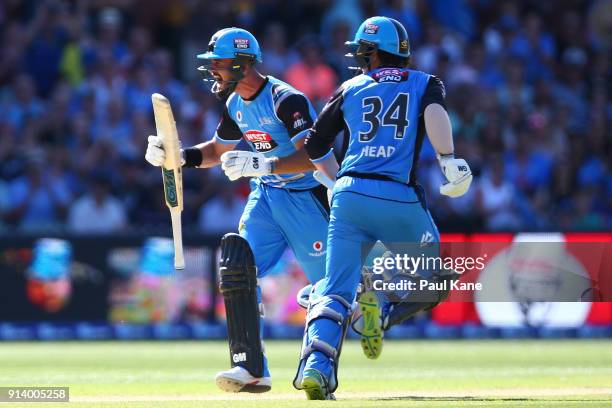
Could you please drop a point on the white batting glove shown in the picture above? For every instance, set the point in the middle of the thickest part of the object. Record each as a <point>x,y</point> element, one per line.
<point>239,163</point>
<point>155,152</point>
<point>458,174</point>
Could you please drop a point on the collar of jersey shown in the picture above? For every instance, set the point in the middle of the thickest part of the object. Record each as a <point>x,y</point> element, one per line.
<point>256,94</point>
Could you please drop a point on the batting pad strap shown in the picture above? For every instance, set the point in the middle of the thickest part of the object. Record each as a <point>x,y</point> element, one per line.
<point>319,345</point>
<point>340,299</point>
<point>321,310</point>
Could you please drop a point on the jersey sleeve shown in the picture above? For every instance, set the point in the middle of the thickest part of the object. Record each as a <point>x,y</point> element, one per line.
<point>434,93</point>
<point>294,112</point>
<point>329,123</point>
<point>227,131</point>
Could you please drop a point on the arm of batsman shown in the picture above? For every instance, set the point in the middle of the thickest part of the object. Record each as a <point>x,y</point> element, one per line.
<point>239,163</point>
<point>458,174</point>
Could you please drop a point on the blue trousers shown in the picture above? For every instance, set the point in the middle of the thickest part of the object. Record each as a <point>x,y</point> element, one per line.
<point>364,211</point>
<point>275,219</point>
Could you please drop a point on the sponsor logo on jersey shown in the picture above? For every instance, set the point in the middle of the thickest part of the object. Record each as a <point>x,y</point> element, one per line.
<point>238,116</point>
<point>318,247</point>
<point>241,43</point>
<point>390,75</point>
<point>298,120</point>
<point>371,29</point>
<point>263,121</point>
<point>262,141</point>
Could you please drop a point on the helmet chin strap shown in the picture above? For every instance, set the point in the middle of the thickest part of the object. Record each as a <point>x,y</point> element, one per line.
<point>223,93</point>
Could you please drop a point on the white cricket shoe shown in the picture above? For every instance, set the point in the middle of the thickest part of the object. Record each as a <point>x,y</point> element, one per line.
<point>238,379</point>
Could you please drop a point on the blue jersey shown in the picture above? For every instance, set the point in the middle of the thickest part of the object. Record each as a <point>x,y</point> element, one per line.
<point>381,114</point>
<point>271,122</point>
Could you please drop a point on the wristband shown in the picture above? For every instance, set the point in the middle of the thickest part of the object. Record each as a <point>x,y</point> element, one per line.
<point>193,157</point>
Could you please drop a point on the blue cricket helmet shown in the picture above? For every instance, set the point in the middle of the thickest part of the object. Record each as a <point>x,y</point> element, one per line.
<point>232,43</point>
<point>379,33</point>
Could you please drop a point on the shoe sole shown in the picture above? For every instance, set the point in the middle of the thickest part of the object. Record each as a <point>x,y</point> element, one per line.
<point>232,385</point>
<point>372,334</point>
<point>314,390</point>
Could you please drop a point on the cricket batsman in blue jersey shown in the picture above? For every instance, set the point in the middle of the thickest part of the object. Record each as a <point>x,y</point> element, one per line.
<point>385,113</point>
<point>287,207</point>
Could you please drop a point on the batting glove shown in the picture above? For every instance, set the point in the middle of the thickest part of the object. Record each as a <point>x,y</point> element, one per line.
<point>458,174</point>
<point>155,152</point>
<point>240,163</point>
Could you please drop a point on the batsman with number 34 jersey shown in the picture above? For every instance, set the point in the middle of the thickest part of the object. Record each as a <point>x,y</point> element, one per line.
<point>287,207</point>
<point>385,112</point>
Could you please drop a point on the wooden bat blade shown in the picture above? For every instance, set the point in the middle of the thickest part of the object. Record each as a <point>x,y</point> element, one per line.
<point>172,175</point>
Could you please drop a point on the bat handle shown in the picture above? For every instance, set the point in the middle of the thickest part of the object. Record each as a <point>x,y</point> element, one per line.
<point>179,258</point>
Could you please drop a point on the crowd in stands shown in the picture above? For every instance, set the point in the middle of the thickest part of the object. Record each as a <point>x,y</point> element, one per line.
<point>528,86</point>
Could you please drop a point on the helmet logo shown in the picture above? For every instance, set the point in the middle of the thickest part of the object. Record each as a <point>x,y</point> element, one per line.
<point>404,45</point>
<point>241,43</point>
<point>370,29</point>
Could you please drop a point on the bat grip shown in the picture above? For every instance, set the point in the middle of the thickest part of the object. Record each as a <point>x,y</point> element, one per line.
<point>179,259</point>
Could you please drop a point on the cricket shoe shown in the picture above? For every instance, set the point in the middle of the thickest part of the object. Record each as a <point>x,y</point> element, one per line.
<point>238,379</point>
<point>369,324</point>
<point>315,385</point>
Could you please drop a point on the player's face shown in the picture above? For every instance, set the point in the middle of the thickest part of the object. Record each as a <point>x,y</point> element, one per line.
<point>220,70</point>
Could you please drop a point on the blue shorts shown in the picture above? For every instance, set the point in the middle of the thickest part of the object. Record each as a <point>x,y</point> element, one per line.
<point>365,211</point>
<point>276,218</point>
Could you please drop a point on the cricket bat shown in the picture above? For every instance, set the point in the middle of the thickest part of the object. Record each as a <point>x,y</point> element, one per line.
<point>171,171</point>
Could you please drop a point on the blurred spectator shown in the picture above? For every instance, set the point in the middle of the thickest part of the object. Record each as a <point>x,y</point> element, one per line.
<point>311,74</point>
<point>221,213</point>
<point>38,204</point>
<point>278,55</point>
<point>97,212</point>
<point>495,199</point>
<point>22,105</point>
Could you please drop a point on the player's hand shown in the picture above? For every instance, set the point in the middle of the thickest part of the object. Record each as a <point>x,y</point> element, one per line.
<point>458,174</point>
<point>155,152</point>
<point>327,182</point>
<point>238,163</point>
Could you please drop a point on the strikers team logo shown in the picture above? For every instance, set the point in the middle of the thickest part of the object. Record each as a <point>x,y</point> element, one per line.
<point>370,29</point>
<point>262,141</point>
<point>241,43</point>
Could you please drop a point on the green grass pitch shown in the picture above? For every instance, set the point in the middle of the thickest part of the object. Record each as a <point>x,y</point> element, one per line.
<point>461,373</point>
